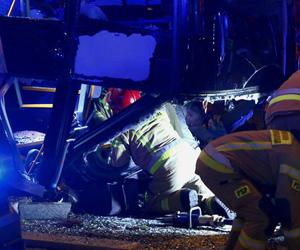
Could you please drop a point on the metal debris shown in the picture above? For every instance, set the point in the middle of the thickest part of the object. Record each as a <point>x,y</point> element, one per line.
<point>44,210</point>
<point>28,136</point>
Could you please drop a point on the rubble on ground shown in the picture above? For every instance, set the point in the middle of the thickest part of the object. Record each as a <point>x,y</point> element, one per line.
<point>152,234</point>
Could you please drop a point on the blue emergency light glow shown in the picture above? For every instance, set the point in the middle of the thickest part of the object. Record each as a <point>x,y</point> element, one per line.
<point>117,55</point>
<point>5,5</point>
<point>128,2</point>
<point>2,171</point>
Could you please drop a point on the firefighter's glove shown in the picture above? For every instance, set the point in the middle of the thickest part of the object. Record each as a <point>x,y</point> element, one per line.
<point>211,220</point>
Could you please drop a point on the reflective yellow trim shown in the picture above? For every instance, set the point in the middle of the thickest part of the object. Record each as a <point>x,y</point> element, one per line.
<point>248,243</point>
<point>116,143</point>
<point>294,233</point>
<point>162,159</point>
<point>289,97</point>
<point>290,171</point>
<point>210,162</point>
<point>235,146</point>
<point>92,91</point>
<point>39,89</point>
<point>165,204</point>
<point>48,106</point>
<point>279,137</point>
<point>142,139</point>
<point>217,156</point>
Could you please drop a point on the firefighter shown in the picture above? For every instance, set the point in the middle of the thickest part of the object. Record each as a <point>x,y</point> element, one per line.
<point>283,109</point>
<point>257,175</point>
<point>204,129</point>
<point>101,109</point>
<point>157,148</point>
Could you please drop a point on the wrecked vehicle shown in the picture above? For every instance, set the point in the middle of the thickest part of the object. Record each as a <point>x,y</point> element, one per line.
<point>221,50</point>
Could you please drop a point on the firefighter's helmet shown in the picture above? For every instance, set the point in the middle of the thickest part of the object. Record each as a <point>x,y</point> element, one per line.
<point>119,99</point>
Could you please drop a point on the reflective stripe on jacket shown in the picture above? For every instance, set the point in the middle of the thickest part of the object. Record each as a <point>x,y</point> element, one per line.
<point>149,145</point>
<point>251,153</point>
<point>286,99</point>
<point>162,155</point>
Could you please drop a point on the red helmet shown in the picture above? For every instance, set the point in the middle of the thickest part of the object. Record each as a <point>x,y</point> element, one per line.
<point>119,99</point>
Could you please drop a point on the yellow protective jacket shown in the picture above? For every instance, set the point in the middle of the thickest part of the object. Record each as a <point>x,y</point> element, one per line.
<point>285,103</point>
<point>145,144</point>
<point>247,150</point>
<point>157,148</point>
<point>241,168</point>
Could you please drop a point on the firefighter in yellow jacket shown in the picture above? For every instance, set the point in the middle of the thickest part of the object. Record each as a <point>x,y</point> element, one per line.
<point>156,147</point>
<point>283,108</point>
<point>257,175</point>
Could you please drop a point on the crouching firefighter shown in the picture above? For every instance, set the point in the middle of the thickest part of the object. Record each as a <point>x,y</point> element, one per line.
<point>256,174</point>
<point>156,147</point>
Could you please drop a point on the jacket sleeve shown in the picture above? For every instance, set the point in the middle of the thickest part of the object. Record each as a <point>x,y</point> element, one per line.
<point>102,112</point>
<point>120,151</point>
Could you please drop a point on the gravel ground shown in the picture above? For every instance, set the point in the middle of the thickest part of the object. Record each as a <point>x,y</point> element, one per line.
<point>151,233</point>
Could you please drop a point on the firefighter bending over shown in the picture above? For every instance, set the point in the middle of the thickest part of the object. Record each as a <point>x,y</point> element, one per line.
<point>256,174</point>
<point>156,147</point>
